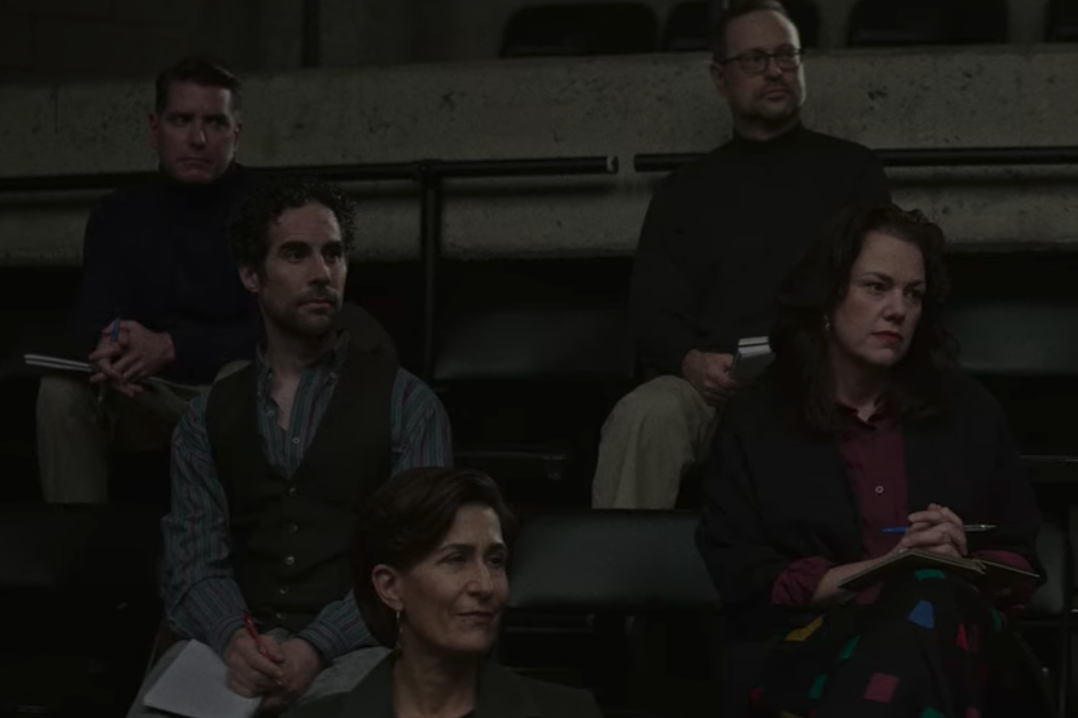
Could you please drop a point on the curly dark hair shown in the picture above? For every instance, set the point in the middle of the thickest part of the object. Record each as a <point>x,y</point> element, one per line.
<point>820,282</point>
<point>404,520</point>
<point>251,218</point>
<point>736,9</point>
<point>200,70</point>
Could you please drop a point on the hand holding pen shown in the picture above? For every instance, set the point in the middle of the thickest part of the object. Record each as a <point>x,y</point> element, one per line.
<point>114,334</point>
<point>254,661</point>
<point>937,528</point>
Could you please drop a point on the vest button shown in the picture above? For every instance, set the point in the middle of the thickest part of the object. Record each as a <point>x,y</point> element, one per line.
<point>291,491</point>
<point>295,439</point>
<point>282,590</point>
<point>289,560</point>
<point>281,615</point>
<point>292,528</point>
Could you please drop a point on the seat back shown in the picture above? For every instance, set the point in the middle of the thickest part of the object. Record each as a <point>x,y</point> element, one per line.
<point>610,561</point>
<point>1016,337</point>
<point>689,24</point>
<point>80,584</point>
<point>875,23</point>
<point>587,342</point>
<point>529,358</point>
<point>1051,598</point>
<point>1061,21</point>
<point>585,29</point>
<point>1026,352</point>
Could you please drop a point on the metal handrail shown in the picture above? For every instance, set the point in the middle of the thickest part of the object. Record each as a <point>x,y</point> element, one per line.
<point>428,174</point>
<point>373,172</point>
<point>915,157</point>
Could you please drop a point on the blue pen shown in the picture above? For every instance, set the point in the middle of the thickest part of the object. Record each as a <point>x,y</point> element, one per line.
<point>113,336</point>
<point>968,528</point>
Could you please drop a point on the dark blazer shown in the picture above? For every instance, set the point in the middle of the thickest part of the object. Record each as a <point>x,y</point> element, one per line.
<point>776,491</point>
<point>502,694</point>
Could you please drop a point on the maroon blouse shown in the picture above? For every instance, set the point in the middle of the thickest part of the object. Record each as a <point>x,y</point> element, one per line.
<point>875,460</point>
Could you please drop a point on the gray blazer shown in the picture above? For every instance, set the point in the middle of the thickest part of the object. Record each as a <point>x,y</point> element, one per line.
<point>502,694</point>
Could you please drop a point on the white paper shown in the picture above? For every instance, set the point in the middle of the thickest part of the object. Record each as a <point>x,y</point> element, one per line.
<point>195,686</point>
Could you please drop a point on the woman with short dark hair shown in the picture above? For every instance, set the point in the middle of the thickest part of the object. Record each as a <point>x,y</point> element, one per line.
<point>430,579</point>
<point>861,442</point>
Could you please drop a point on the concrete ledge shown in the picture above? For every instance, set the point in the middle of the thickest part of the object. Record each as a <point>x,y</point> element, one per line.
<point>539,108</point>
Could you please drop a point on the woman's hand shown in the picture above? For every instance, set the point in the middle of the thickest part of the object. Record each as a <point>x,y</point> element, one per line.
<point>936,529</point>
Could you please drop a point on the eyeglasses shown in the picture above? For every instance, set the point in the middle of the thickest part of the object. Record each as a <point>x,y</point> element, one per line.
<point>755,63</point>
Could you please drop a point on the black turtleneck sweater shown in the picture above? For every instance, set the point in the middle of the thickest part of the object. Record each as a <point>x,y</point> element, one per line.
<point>159,254</point>
<point>722,232</point>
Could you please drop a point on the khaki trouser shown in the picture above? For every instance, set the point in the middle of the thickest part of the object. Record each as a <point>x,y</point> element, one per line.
<point>654,435</point>
<point>340,676</point>
<point>76,434</point>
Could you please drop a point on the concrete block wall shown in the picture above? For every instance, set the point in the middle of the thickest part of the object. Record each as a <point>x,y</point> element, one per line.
<point>556,107</point>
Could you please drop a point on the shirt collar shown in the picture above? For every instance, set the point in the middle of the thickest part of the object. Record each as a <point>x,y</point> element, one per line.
<point>331,361</point>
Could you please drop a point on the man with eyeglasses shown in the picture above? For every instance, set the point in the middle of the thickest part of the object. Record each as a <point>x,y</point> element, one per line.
<point>719,236</point>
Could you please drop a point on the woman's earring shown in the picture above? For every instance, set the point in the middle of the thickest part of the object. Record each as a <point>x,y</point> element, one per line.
<point>827,324</point>
<point>397,648</point>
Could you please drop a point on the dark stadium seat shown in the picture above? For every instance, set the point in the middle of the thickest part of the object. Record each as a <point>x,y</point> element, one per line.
<point>688,26</point>
<point>875,23</point>
<point>645,604</point>
<point>1061,21</point>
<point>528,373</point>
<point>585,29</point>
<point>79,589</point>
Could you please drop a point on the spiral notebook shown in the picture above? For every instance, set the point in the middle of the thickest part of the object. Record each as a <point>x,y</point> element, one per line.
<point>987,574</point>
<point>71,366</point>
<point>195,686</point>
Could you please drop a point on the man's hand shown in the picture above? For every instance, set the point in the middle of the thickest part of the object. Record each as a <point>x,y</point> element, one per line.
<point>250,673</point>
<point>301,666</point>
<point>936,529</point>
<point>136,354</point>
<point>709,373</point>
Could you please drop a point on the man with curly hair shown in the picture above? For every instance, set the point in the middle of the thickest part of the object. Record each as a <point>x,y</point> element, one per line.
<point>268,470</point>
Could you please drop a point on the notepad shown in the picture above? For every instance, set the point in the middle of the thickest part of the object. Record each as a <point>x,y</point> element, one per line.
<point>753,356</point>
<point>195,686</point>
<point>59,364</point>
<point>990,575</point>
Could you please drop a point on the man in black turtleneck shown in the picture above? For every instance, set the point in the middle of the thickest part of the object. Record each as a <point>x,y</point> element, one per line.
<point>719,236</point>
<point>155,259</point>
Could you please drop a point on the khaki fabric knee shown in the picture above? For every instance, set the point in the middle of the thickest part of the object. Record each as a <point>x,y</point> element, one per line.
<point>654,435</point>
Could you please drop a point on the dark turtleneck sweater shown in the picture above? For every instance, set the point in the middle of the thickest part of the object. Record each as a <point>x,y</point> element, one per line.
<point>722,232</point>
<point>158,254</point>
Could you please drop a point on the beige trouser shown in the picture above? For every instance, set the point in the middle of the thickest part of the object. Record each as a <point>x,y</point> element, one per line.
<point>654,435</point>
<point>340,676</point>
<point>76,434</point>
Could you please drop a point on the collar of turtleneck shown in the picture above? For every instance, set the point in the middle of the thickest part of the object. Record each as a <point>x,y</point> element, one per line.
<point>787,138</point>
<point>203,192</point>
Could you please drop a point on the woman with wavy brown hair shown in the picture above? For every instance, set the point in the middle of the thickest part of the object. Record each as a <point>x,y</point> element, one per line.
<point>863,441</point>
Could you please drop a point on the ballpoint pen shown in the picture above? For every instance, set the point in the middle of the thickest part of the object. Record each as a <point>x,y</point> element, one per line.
<point>113,336</point>
<point>968,528</point>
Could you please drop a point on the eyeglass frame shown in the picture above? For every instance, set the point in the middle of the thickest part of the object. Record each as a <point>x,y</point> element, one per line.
<point>797,53</point>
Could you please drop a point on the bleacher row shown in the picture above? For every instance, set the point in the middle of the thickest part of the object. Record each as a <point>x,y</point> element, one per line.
<point>529,357</point>
<point>630,27</point>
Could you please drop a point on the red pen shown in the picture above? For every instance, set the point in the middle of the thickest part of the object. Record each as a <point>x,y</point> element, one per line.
<point>254,632</point>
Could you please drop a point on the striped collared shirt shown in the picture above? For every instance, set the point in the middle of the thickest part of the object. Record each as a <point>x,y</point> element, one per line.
<point>202,599</point>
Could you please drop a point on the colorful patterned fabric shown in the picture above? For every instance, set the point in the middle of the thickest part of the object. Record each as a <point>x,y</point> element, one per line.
<point>931,647</point>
